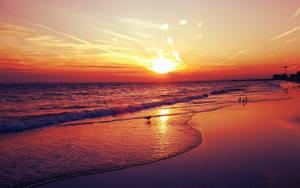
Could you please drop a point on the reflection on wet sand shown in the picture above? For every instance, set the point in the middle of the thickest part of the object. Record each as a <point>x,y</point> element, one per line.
<point>252,146</point>
<point>163,120</point>
<point>63,151</point>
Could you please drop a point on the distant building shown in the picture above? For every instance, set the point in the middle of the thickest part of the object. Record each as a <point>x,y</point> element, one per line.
<point>292,77</point>
<point>295,77</point>
<point>280,76</point>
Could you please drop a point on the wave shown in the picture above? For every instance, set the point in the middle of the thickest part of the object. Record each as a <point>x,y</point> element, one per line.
<point>98,171</point>
<point>16,124</point>
<point>80,167</point>
<point>20,123</point>
<point>144,117</point>
<point>223,91</point>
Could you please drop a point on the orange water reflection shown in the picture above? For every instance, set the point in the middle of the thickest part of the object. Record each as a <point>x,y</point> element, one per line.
<point>59,151</point>
<point>256,145</point>
<point>163,120</point>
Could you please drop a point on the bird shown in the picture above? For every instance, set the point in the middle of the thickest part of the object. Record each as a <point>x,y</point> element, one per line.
<point>148,117</point>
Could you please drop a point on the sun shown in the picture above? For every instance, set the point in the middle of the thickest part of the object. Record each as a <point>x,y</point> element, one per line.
<point>162,65</point>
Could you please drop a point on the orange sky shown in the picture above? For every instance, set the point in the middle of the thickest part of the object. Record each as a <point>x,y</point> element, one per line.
<point>138,40</point>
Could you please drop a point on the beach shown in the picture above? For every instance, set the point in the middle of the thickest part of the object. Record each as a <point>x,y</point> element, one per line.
<point>202,135</point>
<point>149,94</point>
<point>243,145</point>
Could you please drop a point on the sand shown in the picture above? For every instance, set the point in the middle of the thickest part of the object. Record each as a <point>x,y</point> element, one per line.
<point>251,145</point>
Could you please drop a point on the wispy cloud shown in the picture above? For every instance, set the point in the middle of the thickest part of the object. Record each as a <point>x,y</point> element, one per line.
<point>101,66</point>
<point>236,55</point>
<point>76,8</point>
<point>164,27</point>
<point>297,13</point>
<point>200,24</point>
<point>286,33</point>
<point>289,41</point>
<point>182,22</point>
<point>14,30</point>
<point>86,45</point>
<point>176,55</point>
<point>169,41</point>
<point>57,32</point>
<point>35,47</point>
<point>119,35</point>
<point>144,35</point>
<point>139,23</point>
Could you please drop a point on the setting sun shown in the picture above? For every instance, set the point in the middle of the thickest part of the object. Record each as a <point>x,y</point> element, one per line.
<point>162,65</point>
<point>108,87</point>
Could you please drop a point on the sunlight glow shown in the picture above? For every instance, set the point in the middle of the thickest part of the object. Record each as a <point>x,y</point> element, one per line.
<point>200,25</point>
<point>163,112</point>
<point>162,65</point>
<point>170,41</point>
<point>176,55</point>
<point>164,27</point>
<point>144,40</point>
<point>182,22</point>
<point>163,126</point>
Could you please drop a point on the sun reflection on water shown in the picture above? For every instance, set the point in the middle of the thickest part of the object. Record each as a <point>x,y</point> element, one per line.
<point>162,126</point>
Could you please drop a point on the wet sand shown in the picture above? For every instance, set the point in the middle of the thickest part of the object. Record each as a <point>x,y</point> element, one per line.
<point>251,145</point>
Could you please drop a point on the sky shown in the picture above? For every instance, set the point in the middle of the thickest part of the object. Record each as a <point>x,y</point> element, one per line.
<point>147,40</point>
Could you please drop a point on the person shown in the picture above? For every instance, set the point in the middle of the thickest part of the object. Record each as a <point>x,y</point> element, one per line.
<point>240,99</point>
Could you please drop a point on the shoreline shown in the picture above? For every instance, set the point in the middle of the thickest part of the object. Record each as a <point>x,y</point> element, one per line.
<point>50,181</point>
<point>200,122</point>
<point>100,147</point>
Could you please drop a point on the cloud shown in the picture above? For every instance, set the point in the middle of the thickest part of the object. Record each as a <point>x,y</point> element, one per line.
<point>164,27</point>
<point>86,46</point>
<point>118,35</point>
<point>182,22</point>
<point>101,66</point>
<point>297,13</point>
<point>289,41</point>
<point>236,55</point>
<point>57,32</point>
<point>200,24</point>
<point>76,8</point>
<point>32,47</point>
<point>144,35</point>
<point>176,55</point>
<point>286,33</point>
<point>139,23</point>
<point>38,47</point>
<point>16,31</point>
<point>170,41</point>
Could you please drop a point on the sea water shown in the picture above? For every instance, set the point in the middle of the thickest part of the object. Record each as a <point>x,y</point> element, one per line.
<point>54,131</point>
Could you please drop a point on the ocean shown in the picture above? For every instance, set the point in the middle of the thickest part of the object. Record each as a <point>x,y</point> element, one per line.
<point>60,130</point>
<point>29,106</point>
